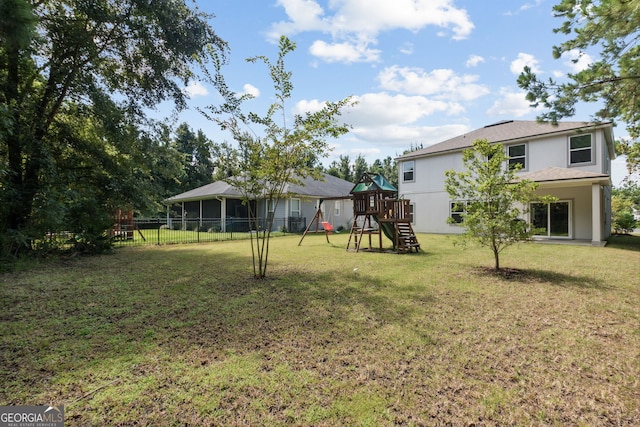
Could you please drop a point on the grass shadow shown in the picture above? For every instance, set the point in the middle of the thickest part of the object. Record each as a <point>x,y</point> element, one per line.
<point>543,276</point>
<point>628,242</point>
<point>87,318</point>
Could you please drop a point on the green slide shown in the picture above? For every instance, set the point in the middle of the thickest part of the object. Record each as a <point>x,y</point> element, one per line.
<point>388,229</point>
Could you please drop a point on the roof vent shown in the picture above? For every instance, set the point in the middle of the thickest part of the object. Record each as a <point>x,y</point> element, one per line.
<point>503,122</point>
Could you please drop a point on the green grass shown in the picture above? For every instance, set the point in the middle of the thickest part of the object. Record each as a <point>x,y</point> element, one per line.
<point>183,335</point>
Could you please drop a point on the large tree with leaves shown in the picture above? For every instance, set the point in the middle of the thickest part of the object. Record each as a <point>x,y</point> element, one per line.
<point>197,157</point>
<point>611,28</point>
<point>76,76</point>
<point>492,198</point>
<point>273,149</point>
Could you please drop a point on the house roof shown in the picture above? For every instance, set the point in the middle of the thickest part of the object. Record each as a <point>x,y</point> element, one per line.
<point>330,187</point>
<point>506,131</point>
<point>563,174</point>
<point>373,182</point>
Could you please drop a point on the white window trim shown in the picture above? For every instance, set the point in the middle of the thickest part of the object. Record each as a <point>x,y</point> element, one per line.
<point>270,206</point>
<point>297,212</point>
<point>451,202</point>
<point>526,155</point>
<point>592,149</point>
<point>413,179</point>
<point>569,225</point>
<point>336,208</point>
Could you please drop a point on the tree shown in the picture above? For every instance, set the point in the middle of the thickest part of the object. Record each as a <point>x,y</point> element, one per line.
<point>78,72</point>
<point>359,168</point>
<point>197,157</point>
<point>344,167</point>
<point>613,28</point>
<point>283,152</point>
<point>492,198</point>
<point>387,168</point>
<point>624,201</point>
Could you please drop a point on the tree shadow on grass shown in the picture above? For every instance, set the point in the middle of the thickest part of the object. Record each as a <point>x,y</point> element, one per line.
<point>628,242</point>
<point>542,276</point>
<point>92,319</point>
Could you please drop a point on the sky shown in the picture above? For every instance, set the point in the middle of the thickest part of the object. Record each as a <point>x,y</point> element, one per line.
<point>421,71</point>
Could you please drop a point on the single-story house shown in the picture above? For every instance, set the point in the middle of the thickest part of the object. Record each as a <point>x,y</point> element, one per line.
<point>210,204</point>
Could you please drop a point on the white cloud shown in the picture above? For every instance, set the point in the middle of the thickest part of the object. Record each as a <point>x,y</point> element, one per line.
<point>304,15</point>
<point>343,52</point>
<point>311,106</point>
<point>363,20</point>
<point>379,109</point>
<point>194,89</point>
<point>407,49</point>
<point>527,6</point>
<point>511,104</point>
<point>576,61</point>
<point>474,61</point>
<point>403,136</point>
<point>249,89</point>
<point>443,84</point>
<point>523,59</point>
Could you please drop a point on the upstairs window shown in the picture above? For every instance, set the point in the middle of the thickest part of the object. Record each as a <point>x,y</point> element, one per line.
<point>408,169</point>
<point>580,149</point>
<point>517,156</point>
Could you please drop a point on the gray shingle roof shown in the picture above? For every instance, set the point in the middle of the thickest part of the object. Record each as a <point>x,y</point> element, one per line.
<point>331,187</point>
<point>507,131</point>
<point>562,174</point>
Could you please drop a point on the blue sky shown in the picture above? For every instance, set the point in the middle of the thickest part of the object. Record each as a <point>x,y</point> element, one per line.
<point>422,71</point>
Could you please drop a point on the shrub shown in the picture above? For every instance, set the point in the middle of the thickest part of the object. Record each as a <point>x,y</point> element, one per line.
<point>624,222</point>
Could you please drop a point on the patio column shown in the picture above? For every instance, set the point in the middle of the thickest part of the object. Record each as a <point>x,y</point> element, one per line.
<point>223,214</point>
<point>596,214</point>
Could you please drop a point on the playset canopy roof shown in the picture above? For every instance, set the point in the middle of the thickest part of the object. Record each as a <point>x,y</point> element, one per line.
<point>373,182</point>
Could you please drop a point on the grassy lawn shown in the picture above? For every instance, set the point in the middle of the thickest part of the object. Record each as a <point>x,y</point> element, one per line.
<point>182,335</point>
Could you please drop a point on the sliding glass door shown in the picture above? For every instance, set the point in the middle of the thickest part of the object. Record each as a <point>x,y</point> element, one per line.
<point>553,219</point>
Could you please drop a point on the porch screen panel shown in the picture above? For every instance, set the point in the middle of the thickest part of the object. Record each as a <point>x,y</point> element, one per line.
<point>211,208</point>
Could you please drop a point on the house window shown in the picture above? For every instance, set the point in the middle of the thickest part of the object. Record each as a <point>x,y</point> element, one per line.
<point>295,208</point>
<point>457,210</point>
<point>580,149</point>
<point>271,205</point>
<point>552,219</point>
<point>517,156</point>
<point>408,169</point>
<point>336,208</point>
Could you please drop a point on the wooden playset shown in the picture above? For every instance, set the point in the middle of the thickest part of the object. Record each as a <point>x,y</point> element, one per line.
<point>376,211</point>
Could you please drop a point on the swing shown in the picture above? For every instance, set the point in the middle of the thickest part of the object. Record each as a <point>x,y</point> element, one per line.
<point>327,227</point>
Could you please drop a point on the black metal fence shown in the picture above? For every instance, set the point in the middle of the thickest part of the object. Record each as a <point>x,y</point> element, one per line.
<point>161,231</point>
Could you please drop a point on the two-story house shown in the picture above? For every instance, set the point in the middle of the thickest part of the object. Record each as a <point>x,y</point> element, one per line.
<point>571,161</point>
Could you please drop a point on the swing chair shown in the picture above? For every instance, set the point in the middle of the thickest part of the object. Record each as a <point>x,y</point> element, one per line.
<point>319,220</point>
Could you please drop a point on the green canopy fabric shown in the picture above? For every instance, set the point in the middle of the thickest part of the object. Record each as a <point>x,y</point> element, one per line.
<point>373,182</point>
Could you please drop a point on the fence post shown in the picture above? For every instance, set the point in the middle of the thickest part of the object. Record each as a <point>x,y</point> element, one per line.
<point>158,232</point>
